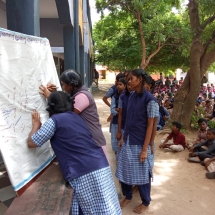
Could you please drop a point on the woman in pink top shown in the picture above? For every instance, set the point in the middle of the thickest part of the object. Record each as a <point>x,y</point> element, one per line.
<point>84,103</point>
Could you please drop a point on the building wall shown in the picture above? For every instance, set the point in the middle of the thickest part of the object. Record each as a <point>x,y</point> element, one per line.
<point>49,28</point>
<point>3,19</point>
<point>53,30</point>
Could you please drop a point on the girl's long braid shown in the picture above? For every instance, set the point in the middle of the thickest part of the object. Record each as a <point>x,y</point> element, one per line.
<point>126,90</point>
<point>72,98</point>
<point>117,94</point>
<point>142,86</point>
<point>50,110</point>
<point>72,103</point>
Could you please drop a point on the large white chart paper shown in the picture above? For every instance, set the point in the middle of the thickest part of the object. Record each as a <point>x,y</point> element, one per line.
<point>26,62</point>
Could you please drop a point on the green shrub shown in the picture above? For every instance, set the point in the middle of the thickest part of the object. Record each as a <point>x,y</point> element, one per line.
<point>211,124</point>
<point>195,117</point>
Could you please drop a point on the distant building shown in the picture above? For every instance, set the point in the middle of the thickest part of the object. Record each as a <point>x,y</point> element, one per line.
<point>105,74</point>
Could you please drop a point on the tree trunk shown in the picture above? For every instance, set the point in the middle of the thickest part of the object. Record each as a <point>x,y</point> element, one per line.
<point>185,101</point>
<point>143,42</point>
<point>180,98</point>
<point>186,96</point>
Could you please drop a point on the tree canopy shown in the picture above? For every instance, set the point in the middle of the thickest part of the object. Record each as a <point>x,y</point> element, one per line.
<point>139,34</point>
<point>201,16</point>
<point>147,34</point>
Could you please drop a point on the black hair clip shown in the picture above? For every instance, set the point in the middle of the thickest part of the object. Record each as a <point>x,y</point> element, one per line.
<point>73,82</point>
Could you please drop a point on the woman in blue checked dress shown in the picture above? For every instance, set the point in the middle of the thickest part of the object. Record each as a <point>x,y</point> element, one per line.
<point>78,156</point>
<point>136,158</point>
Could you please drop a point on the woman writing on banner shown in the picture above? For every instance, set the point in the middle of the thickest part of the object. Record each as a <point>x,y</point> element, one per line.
<point>84,103</point>
<point>75,149</point>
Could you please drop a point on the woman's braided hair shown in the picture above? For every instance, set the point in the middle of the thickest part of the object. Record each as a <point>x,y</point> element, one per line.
<point>140,73</point>
<point>72,78</point>
<point>150,81</point>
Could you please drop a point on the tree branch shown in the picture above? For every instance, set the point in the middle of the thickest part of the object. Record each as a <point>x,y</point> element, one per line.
<point>122,4</point>
<point>154,53</point>
<point>128,8</point>
<point>208,42</point>
<point>158,49</point>
<point>207,22</point>
<point>207,58</point>
<point>171,44</point>
<point>143,42</point>
<point>194,18</point>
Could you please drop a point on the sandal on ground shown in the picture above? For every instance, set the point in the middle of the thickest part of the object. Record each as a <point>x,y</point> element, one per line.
<point>210,175</point>
<point>194,160</point>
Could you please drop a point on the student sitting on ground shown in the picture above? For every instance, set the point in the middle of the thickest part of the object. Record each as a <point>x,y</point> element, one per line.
<point>211,98</point>
<point>196,110</point>
<point>198,154</point>
<point>163,115</point>
<point>210,165</point>
<point>202,132</point>
<point>170,109</point>
<point>178,143</point>
<point>204,96</point>
<point>208,109</point>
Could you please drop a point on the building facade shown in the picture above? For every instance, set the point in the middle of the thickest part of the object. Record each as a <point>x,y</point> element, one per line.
<point>67,25</point>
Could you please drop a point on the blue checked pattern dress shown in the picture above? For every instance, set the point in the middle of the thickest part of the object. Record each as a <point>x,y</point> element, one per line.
<point>95,193</point>
<point>45,133</point>
<point>129,169</point>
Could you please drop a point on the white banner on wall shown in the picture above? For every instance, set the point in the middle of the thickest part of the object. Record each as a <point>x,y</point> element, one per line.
<point>26,62</point>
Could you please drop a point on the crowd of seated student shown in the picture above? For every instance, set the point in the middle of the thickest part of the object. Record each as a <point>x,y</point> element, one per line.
<point>206,155</point>
<point>165,91</point>
<point>202,149</point>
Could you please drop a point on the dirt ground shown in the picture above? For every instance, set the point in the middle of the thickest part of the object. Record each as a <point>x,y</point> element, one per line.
<point>178,187</point>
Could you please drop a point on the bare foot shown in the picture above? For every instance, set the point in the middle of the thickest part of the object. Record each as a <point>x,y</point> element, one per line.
<point>140,209</point>
<point>124,203</point>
